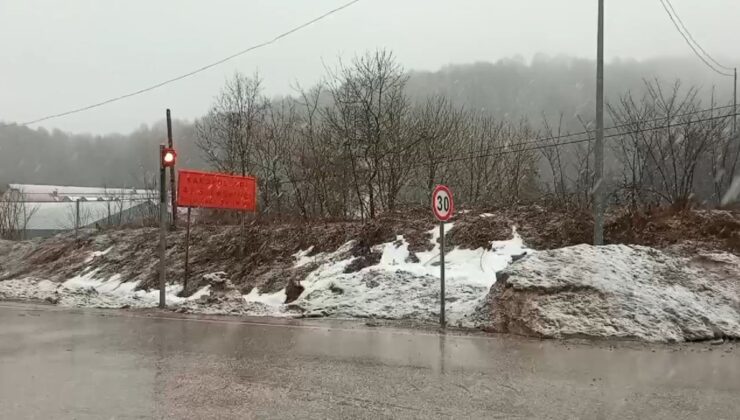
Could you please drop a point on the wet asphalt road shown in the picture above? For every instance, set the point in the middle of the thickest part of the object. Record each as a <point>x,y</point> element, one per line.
<point>57,363</point>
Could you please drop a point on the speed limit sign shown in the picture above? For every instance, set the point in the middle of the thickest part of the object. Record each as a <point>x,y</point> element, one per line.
<point>442,205</point>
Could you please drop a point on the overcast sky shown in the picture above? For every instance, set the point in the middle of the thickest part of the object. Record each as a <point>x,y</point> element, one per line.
<point>56,55</point>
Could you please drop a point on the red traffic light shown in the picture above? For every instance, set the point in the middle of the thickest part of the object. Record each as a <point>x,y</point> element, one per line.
<point>169,156</point>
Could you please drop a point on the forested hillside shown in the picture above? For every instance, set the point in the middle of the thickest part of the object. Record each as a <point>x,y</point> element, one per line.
<point>472,110</point>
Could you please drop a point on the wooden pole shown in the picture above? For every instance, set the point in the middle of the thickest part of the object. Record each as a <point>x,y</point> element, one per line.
<point>173,190</point>
<point>162,227</point>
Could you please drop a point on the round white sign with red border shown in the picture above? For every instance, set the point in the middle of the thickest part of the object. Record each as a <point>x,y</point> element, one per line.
<point>442,205</point>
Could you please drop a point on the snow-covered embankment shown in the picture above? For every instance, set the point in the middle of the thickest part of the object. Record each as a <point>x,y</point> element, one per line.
<point>404,285</point>
<point>617,291</point>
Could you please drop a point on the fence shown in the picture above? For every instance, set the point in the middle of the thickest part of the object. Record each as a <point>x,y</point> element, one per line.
<point>27,219</point>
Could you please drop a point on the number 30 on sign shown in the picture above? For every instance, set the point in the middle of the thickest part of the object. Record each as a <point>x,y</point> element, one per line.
<point>442,204</point>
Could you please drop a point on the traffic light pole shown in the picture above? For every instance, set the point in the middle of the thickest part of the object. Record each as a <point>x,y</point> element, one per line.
<point>173,191</point>
<point>162,226</point>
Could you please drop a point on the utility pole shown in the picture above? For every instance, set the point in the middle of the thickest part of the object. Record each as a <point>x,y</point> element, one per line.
<point>598,206</point>
<point>173,191</point>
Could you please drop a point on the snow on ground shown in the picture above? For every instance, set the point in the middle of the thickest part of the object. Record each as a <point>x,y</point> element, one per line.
<point>96,254</point>
<point>618,291</point>
<point>271,299</point>
<point>403,285</point>
<point>611,291</point>
<point>87,290</point>
<point>302,258</point>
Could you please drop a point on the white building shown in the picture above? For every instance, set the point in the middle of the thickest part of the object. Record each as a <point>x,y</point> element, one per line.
<point>50,209</point>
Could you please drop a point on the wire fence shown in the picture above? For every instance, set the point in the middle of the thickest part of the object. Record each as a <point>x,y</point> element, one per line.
<point>33,218</point>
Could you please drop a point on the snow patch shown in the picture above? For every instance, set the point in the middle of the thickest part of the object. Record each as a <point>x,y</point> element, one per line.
<point>89,290</point>
<point>395,253</point>
<point>272,299</point>
<point>732,193</point>
<point>96,254</point>
<point>403,285</point>
<point>302,257</point>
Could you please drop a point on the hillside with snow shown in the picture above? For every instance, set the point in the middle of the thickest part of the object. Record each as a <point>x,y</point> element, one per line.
<point>389,269</point>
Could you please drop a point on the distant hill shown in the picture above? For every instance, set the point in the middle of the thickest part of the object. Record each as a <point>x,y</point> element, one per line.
<point>43,157</point>
<point>514,89</point>
<point>508,88</point>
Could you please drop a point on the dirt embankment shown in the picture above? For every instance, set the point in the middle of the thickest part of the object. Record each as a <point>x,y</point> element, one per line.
<point>691,230</point>
<point>263,256</point>
<point>543,228</point>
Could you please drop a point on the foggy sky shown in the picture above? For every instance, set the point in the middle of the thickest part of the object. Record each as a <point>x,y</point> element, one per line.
<point>61,55</point>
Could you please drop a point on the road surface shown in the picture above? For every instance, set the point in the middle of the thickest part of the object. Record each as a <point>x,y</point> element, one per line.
<point>80,364</point>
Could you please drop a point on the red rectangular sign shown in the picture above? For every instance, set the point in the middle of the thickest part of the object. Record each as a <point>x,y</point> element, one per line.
<point>216,191</point>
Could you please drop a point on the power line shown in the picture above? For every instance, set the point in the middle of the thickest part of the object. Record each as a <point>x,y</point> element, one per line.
<point>83,203</point>
<point>540,147</point>
<point>190,73</point>
<point>536,146</point>
<point>690,44</point>
<point>108,194</point>
<point>688,33</point>
<point>540,140</point>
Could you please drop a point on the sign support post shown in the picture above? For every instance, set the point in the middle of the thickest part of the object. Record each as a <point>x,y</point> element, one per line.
<point>442,320</point>
<point>187,253</point>
<point>443,208</point>
<point>215,191</point>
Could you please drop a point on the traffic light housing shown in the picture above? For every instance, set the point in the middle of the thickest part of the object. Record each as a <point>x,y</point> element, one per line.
<point>168,158</point>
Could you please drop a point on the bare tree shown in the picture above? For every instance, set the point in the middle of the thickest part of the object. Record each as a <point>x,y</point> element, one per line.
<point>667,139</point>
<point>436,123</point>
<point>584,178</point>
<point>369,107</point>
<point>273,152</point>
<point>324,182</point>
<point>15,214</point>
<point>552,150</point>
<point>228,134</point>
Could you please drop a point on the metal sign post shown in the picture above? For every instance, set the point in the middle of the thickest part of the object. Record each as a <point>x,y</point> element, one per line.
<point>442,319</point>
<point>187,254</point>
<point>216,191</point>
<point>443,208</point>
